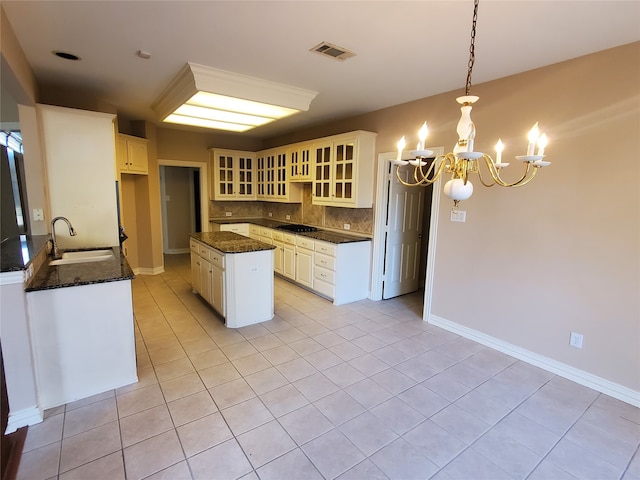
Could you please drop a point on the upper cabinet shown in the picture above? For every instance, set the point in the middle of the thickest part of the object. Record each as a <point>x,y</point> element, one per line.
<point>274,184</point>
<point>343,170</point>
<point>131,154</point>
<point>300,158</point>
<point>233,175</point>
<point>340,168</point>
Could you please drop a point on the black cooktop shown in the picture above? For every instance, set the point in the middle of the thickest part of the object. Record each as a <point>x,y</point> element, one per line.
<point>297,228</point>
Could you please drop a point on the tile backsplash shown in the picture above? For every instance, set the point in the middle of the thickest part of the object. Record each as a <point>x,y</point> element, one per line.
<point>359,219</point>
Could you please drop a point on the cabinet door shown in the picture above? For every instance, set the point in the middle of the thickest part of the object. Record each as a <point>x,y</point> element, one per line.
<point>278,254</point>
<point>322,172</point>
<point>305,159</point>
<point>245,177</point>
<point>270,175</point>
<point>137,153</point>
<point>217,290</point>
<point>205,280</point>
<point>195,272</point>
<point>289,261</point>
<point>304,267</point>
<point>121,153</point>
<point>223,176</point>
<point>344,171</point>
<point>281,174</point>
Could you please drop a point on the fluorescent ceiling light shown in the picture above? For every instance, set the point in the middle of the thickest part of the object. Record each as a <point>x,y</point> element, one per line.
<point>212,98</point>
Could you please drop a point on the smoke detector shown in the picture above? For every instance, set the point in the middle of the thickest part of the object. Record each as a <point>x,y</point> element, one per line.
<point>332,51</point>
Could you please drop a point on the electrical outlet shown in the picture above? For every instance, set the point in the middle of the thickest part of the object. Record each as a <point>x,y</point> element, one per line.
<point>347,226</point>
<point>270,214</point>
<point>288,217</point>
<point>575,340</point>
<point>227,214</point>
<point>458,216</point>
<point>38,214</point>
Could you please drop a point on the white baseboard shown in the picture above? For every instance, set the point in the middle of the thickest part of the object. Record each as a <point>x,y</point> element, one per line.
<point>148,271</point>
<point>599,384</point>
<point>177,251</point>
<point>22,418</point>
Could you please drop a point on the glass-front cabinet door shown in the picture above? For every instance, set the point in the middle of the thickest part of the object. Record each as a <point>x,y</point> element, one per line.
<point>233,175</point>
<point>300,162</point>
<point>344,169</point>
<point>322,171</point>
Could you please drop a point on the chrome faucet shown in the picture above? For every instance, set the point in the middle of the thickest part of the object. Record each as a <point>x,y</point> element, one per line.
<point>72,232</point>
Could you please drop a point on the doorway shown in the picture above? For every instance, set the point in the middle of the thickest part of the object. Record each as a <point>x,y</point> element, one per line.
<point>404,234</point>
<point>184,203</point>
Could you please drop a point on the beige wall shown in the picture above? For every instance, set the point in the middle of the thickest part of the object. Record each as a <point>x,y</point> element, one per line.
<point>531,265</point>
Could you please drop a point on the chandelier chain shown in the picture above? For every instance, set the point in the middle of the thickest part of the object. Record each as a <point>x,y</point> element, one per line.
<point>472,47</point>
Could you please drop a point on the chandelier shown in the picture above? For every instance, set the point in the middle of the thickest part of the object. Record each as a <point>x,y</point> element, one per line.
<point>464,161</point>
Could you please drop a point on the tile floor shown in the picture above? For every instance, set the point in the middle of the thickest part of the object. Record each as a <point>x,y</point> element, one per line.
<point>362,391</point>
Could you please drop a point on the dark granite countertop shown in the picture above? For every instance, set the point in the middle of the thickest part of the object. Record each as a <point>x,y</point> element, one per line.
<point>75,274</point>
<point>324,235</point>
<point>16,253</point>
<point>263,222</point>
<point>229,242</point>
<point>332,237</point>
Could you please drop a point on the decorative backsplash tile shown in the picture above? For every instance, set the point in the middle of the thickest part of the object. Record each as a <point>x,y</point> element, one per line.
<point>359,219</point>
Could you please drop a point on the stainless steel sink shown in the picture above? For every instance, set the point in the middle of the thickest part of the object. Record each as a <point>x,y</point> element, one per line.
<point>84,256</point>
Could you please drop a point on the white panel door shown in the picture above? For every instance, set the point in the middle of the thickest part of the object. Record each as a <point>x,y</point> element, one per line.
<point>404,234</point>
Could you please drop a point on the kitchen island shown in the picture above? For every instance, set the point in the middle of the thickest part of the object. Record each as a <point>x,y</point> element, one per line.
<point>233,274</point>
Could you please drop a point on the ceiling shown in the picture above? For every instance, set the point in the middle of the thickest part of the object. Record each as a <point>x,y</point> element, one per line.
<point>405,50</point>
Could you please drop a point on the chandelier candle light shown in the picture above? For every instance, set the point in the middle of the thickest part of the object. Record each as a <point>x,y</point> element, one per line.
<point>464,160</point>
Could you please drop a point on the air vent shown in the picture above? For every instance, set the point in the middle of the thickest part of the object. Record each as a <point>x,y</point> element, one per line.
<point>333,51</point>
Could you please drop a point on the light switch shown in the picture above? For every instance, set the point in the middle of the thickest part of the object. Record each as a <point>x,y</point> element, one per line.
<point>458,215</point>
<point>38,214</point>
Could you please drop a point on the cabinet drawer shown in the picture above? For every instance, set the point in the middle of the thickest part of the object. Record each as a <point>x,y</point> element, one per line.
<point>195,246</point>
<point>204,252</point>
<point>265,232</point>
<point>216,258</point>
<point>326,248</point>
<point>324,275</point>
<point>304,242</point>
<point>324,261</point>
<point>289,238</point>
<point>277,236</point>
<point>254,229</point>
<point>324,288</point>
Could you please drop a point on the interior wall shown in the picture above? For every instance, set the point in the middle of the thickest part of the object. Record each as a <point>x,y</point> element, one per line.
<point>129,218</point>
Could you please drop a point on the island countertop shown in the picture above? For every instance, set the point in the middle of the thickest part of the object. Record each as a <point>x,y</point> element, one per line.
<point>72,275</point>
<point>229,242</point>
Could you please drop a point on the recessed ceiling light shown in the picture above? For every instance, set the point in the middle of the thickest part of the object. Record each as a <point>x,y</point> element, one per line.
<point>66,55</point>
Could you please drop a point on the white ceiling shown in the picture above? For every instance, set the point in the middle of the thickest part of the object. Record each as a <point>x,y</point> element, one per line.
<point>405,49</point>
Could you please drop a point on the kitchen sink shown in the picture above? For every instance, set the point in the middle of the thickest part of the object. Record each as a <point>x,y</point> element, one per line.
<point>83,256</point>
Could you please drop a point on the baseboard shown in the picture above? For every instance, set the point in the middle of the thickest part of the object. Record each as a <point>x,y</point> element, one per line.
<point>23,418</point>
<point>599,384</point>
<point>148,271</point>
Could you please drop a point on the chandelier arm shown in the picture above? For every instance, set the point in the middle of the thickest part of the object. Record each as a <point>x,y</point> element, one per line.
<point>527,176</point>
<point>435,173</point>
<point>482,179</point>
<point>406,184</point>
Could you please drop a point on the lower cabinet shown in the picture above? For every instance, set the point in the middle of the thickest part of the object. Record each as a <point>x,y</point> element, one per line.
<point>304,261</point>
<point>289,256</point>
<point>227,280</point>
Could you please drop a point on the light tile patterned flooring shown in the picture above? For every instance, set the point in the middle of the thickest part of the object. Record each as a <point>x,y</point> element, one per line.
<point>362,391</point>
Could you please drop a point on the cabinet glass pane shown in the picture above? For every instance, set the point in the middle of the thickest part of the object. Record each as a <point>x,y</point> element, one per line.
<point>325,190</point>
<point>223,176</point>
<point>325,172</point>
<point>339,172</point>
<point>348,171</point>
<point>349,154</point>
<point>347,190</point>
<point>338,190</point>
